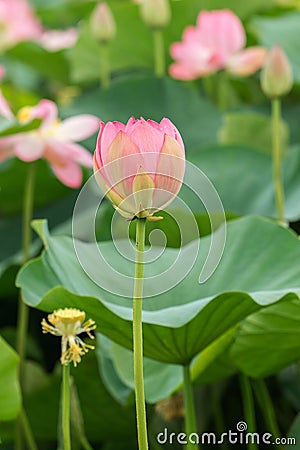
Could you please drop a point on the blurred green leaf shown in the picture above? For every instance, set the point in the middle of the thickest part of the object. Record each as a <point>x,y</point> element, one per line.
<point>281,30</point>
<point>196,118</point>
<point>242,9</point>
<point>52,65</point>
<point>10,395</point>
<point>207,366</point>
<point>113,383</point>
<point>251,129</point>
<point>243,178</point>
<point>269,340</point>
<point>169,376</point>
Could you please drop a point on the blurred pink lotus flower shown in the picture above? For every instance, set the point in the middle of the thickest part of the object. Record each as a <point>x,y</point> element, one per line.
<point>54,141</point>
<point>17,23</point>
<point>55,40</point>
<point>140,165</point>
<point>216,42</point>
<point>5,110</point>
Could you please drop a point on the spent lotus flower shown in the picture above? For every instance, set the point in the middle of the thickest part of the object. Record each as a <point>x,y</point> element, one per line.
<point>139,165</point>
<point>54,140</point>
<point>216,42</point>
<point>69,323</point>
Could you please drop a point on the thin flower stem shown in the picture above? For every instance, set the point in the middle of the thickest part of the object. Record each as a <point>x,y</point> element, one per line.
<point>138,335</point>
<point>66,406</point>
<point>105,66</point>
<point>85,444</point>
<point>267,408</point>
<point>27,431</point>
<point>23,310</point>
<point>248,406</point>
<point>276,150</point>
<point>190,415</point>
<point>159,53</point>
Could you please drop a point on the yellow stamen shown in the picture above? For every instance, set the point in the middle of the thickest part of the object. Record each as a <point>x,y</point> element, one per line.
<point>69,323</point>
<point>24,114</point>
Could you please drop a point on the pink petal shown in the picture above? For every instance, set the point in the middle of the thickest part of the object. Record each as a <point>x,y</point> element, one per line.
<point>108,134</point>
<point>247,61</point>
<point>5,110</point>
<point>149,141</point>
<point>170,172</point>
<point>183,72</point>
<point>46,110</point>
<point>146,137</point>
<point>59,152</point>
<point>55,40</point>
<point>221,31</point>
<point>29,147</point>
<point>2,72</point>
<point>7,147</point>
<point>69,174</point>
<point>77,128</point>
<point>169,128</point>
<point>123,162</point>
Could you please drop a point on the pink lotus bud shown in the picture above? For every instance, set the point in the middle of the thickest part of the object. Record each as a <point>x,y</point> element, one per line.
<point>277,74</point>
<point>103,24</point>
<point>140,165</point>
<point>156,13</point>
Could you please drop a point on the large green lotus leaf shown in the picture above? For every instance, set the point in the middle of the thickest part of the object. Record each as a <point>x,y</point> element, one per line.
<point>214,362</point>
<point>110,377</point>
<point>10,394</point>
<point>169,375</point>
<point>206,367</point>
<point>185,319</point>
<point>243,178</point>
<point>281,30</point>
<point>269,340</point>
<point>154,98</point>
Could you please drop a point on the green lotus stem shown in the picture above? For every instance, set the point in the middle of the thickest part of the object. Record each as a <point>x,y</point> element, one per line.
<point>27,431</point>
<point>267,408</point>
<point>276,152</point>
<point>189,406</point>
<point>217,412</point>
<point>23,310</point>
<point>138,335</point>
<point>159,53</point>
<point>105,66</point>
<point>66,406</point>
<point>248,406</point>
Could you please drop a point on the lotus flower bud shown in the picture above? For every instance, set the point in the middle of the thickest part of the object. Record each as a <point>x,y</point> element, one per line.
<point>276,75</point>
<point>156,13</point>
<point>139,166</point>
<point>102,23</point>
